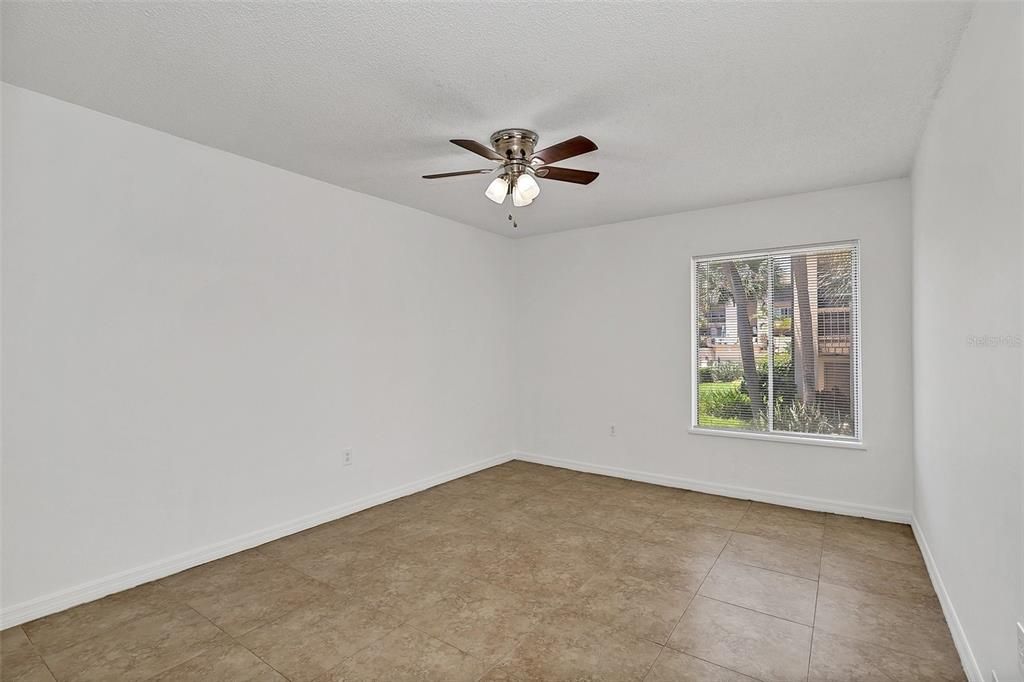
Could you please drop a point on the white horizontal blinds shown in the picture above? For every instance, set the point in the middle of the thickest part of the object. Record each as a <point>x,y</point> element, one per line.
<point>803,347</point>
<point>732,315</point>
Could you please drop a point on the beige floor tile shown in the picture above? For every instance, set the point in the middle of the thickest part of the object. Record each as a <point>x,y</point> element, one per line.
<point>19,660</point>
<point>518,488</point>
<point>614,519</point>
<point>841,566</point>
<point>666,494</point>
<point>216,577</point>
<point>777,594</point>
<point>406,507</point>
<point>674,666</point>
<point>890,541</point>
<point>687,537</point>
<point>662,564</point>
<point>139,649</point>
<point>575,495</point>
<point>508,519</point>
<point>265,597</point>
<point>543,509</point>
<point>708,510</point>
<point>499,492</point>
<point>523,465</point>
<point>392,580</point>
<point>348,562</point>
<point>570,539</point>
<point>374,517</point>
<point>517,526</point>
<point>481,619</point>
<point>795,558</point>
<point>869,526</point>
<point>461,550</point>
<point>500,675</point>
<point>522,471</point>
<point>475,506</point>
<point>408,654</point>
<point>542,576</point>
<point>573,648</point>
<point>36,672</point>
<point>314,638</point>
<point>539,475</point>
<point>402,533</point>
<point>523,572</point>
<point>324,536</point>
<point>467,486</point>
<point>77,624</point>
<point>773,524</point>
<point>299,544</point>
<point>752,643</point>
<point>896,624</point>
<point>225,662</point>
<point>639,500</point>
<point>641,608</point>
<point>552,476</point>
<point>774,511</point>
<point>839,659</point>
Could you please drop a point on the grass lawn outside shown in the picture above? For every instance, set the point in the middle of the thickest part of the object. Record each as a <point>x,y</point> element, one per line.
<point>710,388</point>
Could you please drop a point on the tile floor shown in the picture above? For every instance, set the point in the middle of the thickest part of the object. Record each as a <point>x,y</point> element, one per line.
<point>525,572</point>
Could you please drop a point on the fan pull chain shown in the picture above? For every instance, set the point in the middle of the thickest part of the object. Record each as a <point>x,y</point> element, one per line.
<point>515,225</point>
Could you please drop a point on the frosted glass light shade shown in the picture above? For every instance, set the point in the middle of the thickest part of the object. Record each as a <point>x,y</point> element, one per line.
<point>518,198</point>
<point>527,186</point>
<point>497,190</point>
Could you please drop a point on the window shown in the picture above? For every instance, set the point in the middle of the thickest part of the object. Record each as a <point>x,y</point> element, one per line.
<point>777,342</point>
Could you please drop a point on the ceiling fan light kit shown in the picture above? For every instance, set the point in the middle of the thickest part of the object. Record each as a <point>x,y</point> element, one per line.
<point>497,190</point>
<point>519,165</point>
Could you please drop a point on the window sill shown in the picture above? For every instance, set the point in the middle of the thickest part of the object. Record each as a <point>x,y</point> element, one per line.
<point>779,438</point>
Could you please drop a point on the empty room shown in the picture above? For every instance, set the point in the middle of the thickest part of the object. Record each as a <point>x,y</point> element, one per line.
<point>451,341</point>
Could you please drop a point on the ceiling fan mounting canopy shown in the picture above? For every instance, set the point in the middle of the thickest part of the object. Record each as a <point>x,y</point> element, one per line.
<point>519,164</point>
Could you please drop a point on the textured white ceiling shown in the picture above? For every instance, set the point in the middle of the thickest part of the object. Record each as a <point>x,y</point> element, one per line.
<point>692,105</point>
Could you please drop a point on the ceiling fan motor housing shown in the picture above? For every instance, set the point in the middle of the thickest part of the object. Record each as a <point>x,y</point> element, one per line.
<point>514,143</point>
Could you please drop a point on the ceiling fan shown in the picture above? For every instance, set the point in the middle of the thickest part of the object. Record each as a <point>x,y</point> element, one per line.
<point>518,164</point>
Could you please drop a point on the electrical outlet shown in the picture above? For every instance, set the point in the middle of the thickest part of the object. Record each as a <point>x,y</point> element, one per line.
<point>611,430</point>
<point>346,457</point>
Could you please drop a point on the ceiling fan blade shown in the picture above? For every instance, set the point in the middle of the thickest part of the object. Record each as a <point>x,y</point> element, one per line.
<point>477,148</point>
<point>580,177</point>
<point>564,150</point>
<point>452,175</point>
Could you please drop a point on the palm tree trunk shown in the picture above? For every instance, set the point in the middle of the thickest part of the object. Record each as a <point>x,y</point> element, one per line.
<point>746,340</point>
<point>804,369</point>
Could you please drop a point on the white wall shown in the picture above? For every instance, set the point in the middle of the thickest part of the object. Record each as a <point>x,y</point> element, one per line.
<point>191,338</point>
<point>605,337</point>
<point>968,233</point>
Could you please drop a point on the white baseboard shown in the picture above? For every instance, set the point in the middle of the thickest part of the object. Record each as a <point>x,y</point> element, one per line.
<point>95,589</point>
<point>956,629</point>
<point>799,501</point>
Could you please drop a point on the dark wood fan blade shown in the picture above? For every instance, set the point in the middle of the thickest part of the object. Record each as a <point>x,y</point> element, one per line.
<point>452,175</point>
<point>565,150</point>
<point>580,177</point>
<point>477,148</point>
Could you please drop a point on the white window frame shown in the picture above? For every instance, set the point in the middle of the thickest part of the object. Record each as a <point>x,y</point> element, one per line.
<point>856,441</point>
